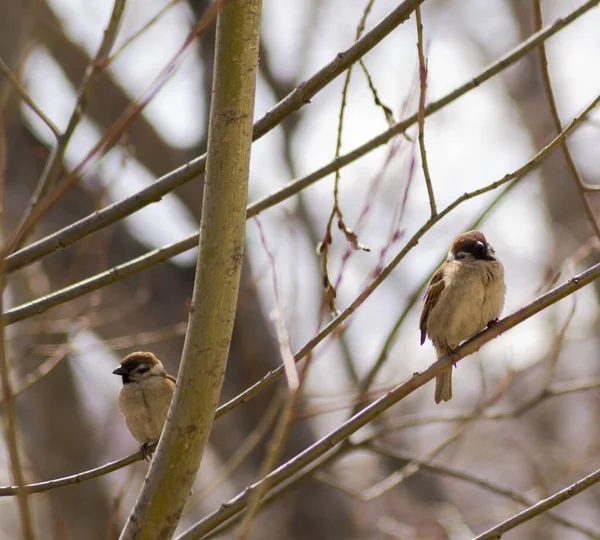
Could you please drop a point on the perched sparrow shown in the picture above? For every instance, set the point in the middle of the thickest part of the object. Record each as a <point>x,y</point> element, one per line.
<point>465,294</point>
<point>146,395</point>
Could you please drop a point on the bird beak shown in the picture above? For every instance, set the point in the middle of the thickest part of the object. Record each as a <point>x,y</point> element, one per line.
<point>120,371</point>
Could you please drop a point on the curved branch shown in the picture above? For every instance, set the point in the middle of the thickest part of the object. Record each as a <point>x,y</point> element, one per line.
<point>41,487</point>
<point>579,183</point>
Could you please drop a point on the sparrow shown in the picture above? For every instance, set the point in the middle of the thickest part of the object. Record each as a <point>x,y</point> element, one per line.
<point>146,395</point>
<point>465,294</point>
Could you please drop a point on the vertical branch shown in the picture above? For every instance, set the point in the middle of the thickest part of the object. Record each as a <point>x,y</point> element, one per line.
<point>581,188</point>
<point>8,397</point>
<point>336,211</point>
<point>220,256</point>
<point>421,112</point>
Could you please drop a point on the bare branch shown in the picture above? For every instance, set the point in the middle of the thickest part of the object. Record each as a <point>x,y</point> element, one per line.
<point>55,160</point>
<point>9,411</point>
<point>41,487</point>
<point>541,507</point>
<point>321,447</point>
<point>301,95</point>
<point>27,98</point>
<point>421,112</point>
<point>480,482</point>
<point>220,255</point>
<point>579,183</point>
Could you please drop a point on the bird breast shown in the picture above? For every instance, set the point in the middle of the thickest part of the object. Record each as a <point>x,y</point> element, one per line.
<point>145,405</point>
<point>473,295</point>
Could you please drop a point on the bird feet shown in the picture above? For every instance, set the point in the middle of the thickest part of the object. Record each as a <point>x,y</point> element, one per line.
<point>493,322</point>
<point>147,451</point>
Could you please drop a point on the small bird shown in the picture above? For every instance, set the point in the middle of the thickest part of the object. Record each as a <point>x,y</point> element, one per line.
<point>465,294</point>
<point>146,395</point>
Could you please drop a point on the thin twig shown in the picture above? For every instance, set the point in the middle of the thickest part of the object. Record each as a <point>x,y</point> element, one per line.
<point>275,493</point>
<point>43,369</point>
<point>579,183</point>
<point>393,453</point>
<point>276,448</point>
<point>277,444</point>
<point>421,112</point>
<point>27,98</point>
<point>541,507</point>
<point>553,391</point>
<point>54,163</point>
<point>144,28</point>
<point>411,468</point>
<point>41,487</point>
<point>9,410</point>
<point>336,211</point>
<point>153,193</point>
<point>387,112</point>
<point>247,446</point>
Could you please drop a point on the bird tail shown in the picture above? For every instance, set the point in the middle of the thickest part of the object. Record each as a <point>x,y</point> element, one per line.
<point>443,386</point>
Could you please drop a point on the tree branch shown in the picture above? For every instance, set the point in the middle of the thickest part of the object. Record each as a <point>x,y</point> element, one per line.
<point>541,507</point>
<point>302,93</point>
<point>212,313</point>
<point>319,448</point>
<point>484,484</point>
<point>153,193</point>
<point>579,183</point>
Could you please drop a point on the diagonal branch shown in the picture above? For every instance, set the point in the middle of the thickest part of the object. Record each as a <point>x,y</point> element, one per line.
<point>153,193</point>
<point>319,448</point>
<point>301,95</point>
<point>540,507</point>
<point>54,163</point>
<point>484,484</point>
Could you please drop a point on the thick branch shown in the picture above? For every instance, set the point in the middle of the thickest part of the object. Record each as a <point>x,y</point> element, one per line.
<point>214,300</point>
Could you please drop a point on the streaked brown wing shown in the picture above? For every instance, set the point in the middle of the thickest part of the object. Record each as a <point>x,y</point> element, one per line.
<point>435,288</point>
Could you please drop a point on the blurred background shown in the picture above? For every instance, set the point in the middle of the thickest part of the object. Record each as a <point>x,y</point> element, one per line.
<point>526,407</point>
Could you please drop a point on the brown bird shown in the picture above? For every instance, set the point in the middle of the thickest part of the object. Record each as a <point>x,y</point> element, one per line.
<point>465,295</point>
<point>145,396</point>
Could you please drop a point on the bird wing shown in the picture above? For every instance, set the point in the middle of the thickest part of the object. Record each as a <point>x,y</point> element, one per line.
<point>434,290</point>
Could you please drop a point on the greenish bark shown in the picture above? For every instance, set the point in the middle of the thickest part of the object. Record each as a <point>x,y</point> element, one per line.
<point>175,464</point>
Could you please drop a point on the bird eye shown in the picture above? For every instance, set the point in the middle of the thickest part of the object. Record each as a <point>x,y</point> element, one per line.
<point>479,250</point>
<point>142,368</point>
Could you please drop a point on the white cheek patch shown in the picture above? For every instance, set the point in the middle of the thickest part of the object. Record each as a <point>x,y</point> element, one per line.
<point>450,256</point>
